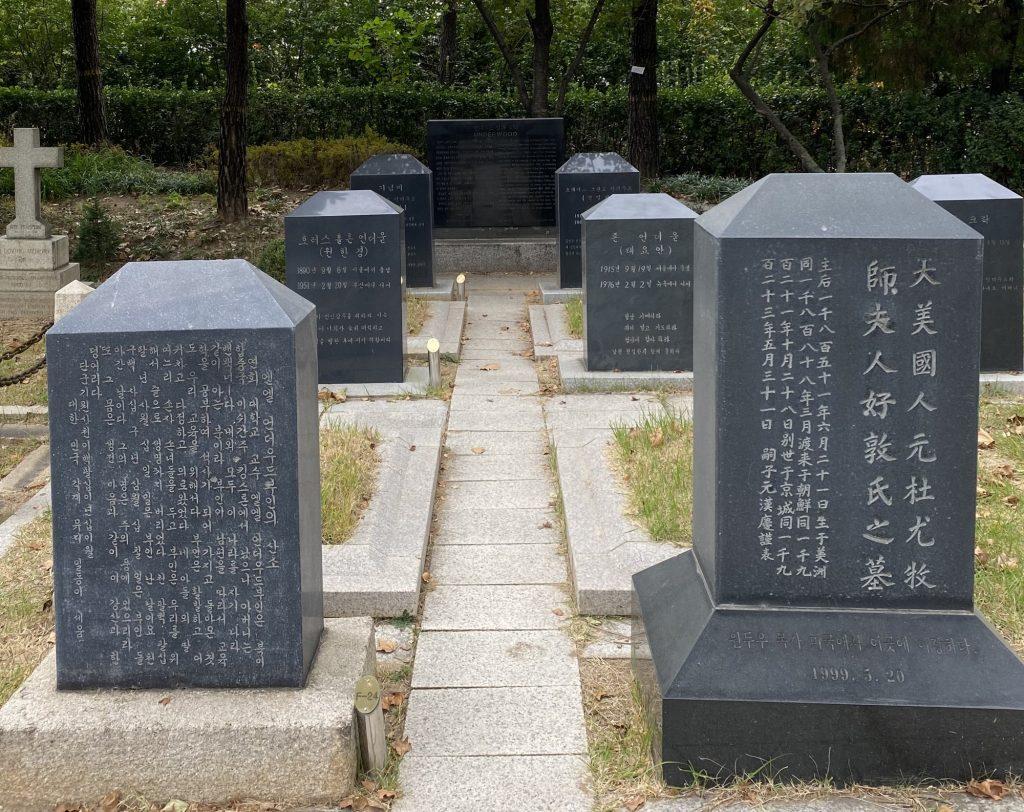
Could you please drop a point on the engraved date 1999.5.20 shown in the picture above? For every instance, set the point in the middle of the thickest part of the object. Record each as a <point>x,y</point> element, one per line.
<point>843,674</point>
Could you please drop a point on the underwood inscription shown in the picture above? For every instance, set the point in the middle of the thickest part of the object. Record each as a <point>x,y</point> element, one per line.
<point>495,173</point>
<point>178,517</point>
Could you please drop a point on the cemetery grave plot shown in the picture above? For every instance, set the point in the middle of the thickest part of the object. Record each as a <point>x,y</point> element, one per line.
<point>349,462</point>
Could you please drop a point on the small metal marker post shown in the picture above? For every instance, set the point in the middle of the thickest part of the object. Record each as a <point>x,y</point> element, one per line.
<point>460,288</point>
<point>373,745</point>
<point>434,362</point>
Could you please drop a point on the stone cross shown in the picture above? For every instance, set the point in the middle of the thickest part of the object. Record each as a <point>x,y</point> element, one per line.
<point>26,158</point>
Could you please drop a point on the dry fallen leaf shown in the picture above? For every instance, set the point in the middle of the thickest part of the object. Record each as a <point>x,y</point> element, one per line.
<point>545,525</point>
<point>634,803</point>
<point>985,440</point>
<point>368,785</point>
<point>110,802</point>
<point>392,699</point>
<point>490,367</point>
<point>1007,562</point>
<point>988,788</point>
<point>558,612</point>
<point>175,806</point>
<point>657,438</point>
<point>386,646</point>
<point>1012,500</point>
<point>402,746</point>
<point>477,450</point>
<point>412,448</point>
<point>165,701</point>
<point>982,492</point>
<point>980,556</point>
<point>427,577</point>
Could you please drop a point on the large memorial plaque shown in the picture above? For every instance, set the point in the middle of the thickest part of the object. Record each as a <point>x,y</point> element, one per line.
<point>186,503</point>
<point>345,252</point>
<point>824,622</point>
<point>638,283</point>
<point>998,215</point>
<point>407,183</point>
<point>495,173</point>
<point>583,181</point>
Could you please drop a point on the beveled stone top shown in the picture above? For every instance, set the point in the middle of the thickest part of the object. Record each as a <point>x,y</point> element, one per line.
<point>962,187</point>
<point>353,203</point>
<point>397,163</point>
<point>640,206</point>
<point>597,162</point>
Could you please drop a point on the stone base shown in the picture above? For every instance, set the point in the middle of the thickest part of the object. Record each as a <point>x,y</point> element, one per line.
<point>575,376</point>
<point>532,254</point>
<point>1005,381</point>
<point>443,290</point>
<point>295,746</point>
<point>864,696</point>
<point>417,381</point>
<point>551,293</point>
<point>34,255</point>
<point>549,330</point>
<point>445,323</point>
<point>28,294</point>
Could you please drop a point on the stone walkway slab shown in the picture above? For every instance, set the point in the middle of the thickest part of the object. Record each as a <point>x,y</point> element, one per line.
<point>496,442</point>
<point>519,493</point>
<point>491,659</point>
<point>470,608</point>
<point>494,467</point>
<point>498,564</point>
<point>496,526</point>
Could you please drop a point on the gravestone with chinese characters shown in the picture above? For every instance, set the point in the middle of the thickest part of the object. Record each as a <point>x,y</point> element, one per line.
<point>34,264</point>
<point>638,283</point>
<point>345,252</point>
<point>495,173</point>
<point>823,622</point>
<point>583,181</point>
<point>186,499</point>
<point>406,182</point>
<point>997,214</point>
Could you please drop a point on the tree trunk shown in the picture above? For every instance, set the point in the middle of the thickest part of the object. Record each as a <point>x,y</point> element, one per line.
<point>643,89</point>
<point>543,30</point>
<point>87,66</point>
<point>232,197</point>
<point>447,42</point>
<point>1010,16</point>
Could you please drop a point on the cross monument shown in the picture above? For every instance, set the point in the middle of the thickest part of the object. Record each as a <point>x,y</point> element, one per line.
<point>26,158</point>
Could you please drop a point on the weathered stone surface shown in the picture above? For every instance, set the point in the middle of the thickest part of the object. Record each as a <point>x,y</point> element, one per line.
<point>47,254</point>
<point>204,745</point>
<point>495,173</point>
<point>455,608</point>
<point>68,298</point>
<point>492,659</point>
<point>638,283</point>
<point>345,252</point>
<point>26,158</point>
<point>498,564</point>
<point>407,183</point>
<point>997,213</point>
<point>180,391</point>
<point>583,181</point>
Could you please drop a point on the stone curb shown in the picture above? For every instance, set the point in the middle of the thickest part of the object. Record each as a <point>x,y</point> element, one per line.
<point>28,512</point>
<point>445,323</point>
<point>417,381</point>
<point>205,745</point>
<point>551,293</point>
<point>550,331</point>
<point>26,471</point>
<point>444,289</point>
<point>23,411</point>
<point>605,547</point>
<point>378,572</point>
<point>490,255</point>
<point>576,377</point>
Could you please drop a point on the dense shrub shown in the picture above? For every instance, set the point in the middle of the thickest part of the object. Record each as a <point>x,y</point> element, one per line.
<point>98,238</point>
<point>316,162</point>
<point>707,128</point>
<point>271,260</point>
<point>704,191</point>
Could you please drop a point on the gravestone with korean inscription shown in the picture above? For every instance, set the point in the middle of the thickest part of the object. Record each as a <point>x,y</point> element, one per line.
<point>997,213</point>
<point>495,173</point>
<point>583,181</point>
<point>186,503</point>
<point>406,182</point>
<point>638,283</point>
<point>345,252</point>
<point>824,623</point>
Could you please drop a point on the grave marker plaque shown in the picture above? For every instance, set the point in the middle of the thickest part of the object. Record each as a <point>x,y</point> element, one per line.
<point>186,504</point>
<point>638,283</point>
<point>998,215</point>
<point>495,173</point>
<point>407,183</point>
<point>824,622</point>
<point>345,252</point>
<point>583,181</point>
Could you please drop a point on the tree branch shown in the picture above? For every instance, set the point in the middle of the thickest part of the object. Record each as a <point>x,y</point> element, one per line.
<point>824,68</point>
<point>899,6</point>
<point>563,85</point>
<point>506,52</point>
<point>742,81</point>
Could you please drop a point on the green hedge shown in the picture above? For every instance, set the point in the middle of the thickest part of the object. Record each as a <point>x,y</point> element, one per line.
<point>706,128</point>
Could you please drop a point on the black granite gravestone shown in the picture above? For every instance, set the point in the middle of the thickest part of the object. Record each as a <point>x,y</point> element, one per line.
<point>998,214</point>
<point>823,624</point>
<point>407,183</point>
<point>345,252</point>
<point>186,497</point>
<point>583,181</point>
<point>638,283</point>
<point>495,173</point>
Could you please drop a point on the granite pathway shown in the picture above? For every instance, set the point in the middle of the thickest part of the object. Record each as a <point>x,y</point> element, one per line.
<point>495,715</point>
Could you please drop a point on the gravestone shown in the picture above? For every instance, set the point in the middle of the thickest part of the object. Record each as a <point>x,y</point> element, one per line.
<point>495,173</point>
<point>638,283</point>
<point>583,181</point>
<point>345,252</point>
<point>186,499</point>
<point>407,183</point>
<point>34,264</point>
<point>823,623</point>
<point>998,215</point>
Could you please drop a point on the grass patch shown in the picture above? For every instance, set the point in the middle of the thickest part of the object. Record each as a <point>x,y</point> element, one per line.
<point>26,604</point>
<point>574,316</point>
<point>32,391</point>
<point>13,451</point>
<point>700,192</point>
<point>655,458</point>
<point>348,473</point>
<point>416,311</point>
